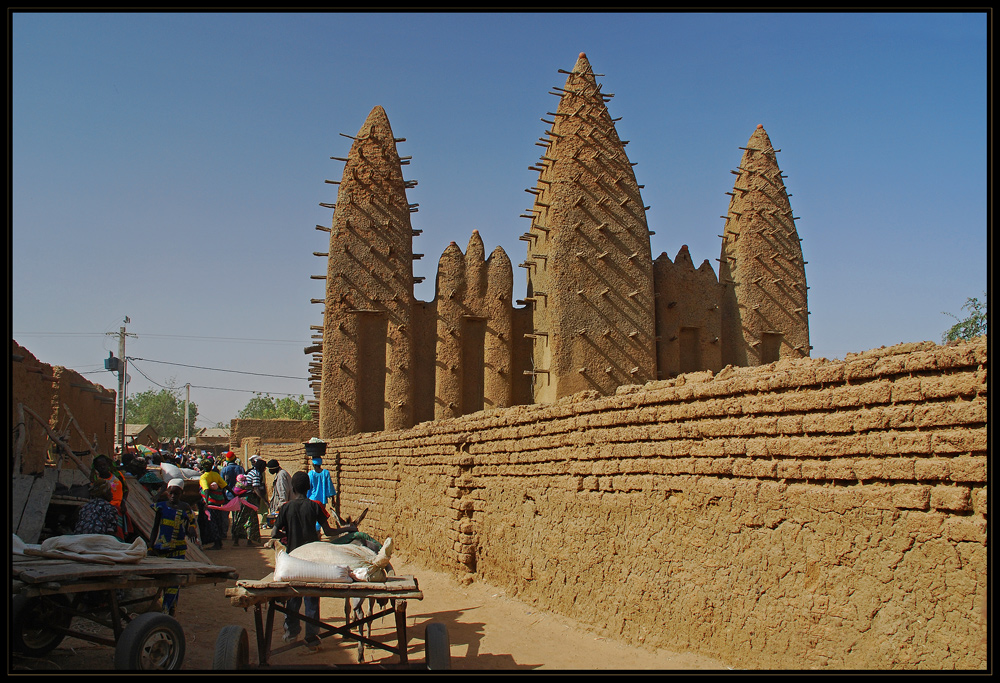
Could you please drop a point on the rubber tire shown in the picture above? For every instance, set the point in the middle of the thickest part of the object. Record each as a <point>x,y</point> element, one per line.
<point>150,630</point>
<point>232,649</point>
<point>437,647</point>
<point>34,613</point>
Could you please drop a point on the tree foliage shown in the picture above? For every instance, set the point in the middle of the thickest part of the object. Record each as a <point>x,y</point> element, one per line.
<point>973,325</point>
<point>163,409</point>
<point>266,407</point>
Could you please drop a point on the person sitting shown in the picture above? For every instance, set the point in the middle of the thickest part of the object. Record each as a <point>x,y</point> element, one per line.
<point>98,515</point>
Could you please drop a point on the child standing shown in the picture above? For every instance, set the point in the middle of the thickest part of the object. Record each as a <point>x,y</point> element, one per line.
<point>174,522</point>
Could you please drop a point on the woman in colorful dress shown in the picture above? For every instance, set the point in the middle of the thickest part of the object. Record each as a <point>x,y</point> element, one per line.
<point>213,493</point>
<point>246,524</point>
<point>99,516</point>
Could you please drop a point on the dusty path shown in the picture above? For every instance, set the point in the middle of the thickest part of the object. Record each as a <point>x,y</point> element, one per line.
<point>487,629</point>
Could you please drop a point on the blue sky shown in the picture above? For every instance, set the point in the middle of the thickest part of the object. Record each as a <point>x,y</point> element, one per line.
<point>169,167</point>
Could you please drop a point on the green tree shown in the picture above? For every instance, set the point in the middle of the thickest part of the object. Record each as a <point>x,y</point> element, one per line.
<point>163,409</point>
<point>266,407</point>
<point>973,325</point>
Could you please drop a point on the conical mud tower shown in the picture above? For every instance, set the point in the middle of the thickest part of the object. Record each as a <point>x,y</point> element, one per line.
<point>764,311</point>
<point>367,339</point>
<point>589,264</point>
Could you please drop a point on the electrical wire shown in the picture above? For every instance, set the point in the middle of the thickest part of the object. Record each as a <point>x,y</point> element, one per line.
<point>200,367</point>
<point>160,336</point>
<point>199,386</point>
<point>250,391</point>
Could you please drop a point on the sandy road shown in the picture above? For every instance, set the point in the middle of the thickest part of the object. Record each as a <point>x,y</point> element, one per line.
<point>488,630</point>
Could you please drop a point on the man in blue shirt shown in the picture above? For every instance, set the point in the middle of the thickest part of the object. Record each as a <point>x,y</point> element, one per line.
<point>321,486</point>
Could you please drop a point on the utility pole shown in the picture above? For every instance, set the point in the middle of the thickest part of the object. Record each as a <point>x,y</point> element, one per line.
<point>122,375</point>
<point>187,401</point>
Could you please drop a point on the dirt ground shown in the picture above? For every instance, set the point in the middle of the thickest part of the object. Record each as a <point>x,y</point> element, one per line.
<point>487,629</point>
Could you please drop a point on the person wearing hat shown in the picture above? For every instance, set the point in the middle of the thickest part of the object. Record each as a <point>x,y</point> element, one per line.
<point>153,484</point>
<point>281,488</point>
<point>173,523</point>
<point>98,515</point>
<point>321,485</point>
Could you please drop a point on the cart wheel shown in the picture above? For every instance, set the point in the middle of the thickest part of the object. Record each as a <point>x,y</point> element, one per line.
<point>437,647</point>
<point>151,642</point>
<point>33,618</point>
<point>232,649</point>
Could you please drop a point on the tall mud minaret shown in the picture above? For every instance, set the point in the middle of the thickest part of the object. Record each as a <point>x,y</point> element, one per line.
<point>367,341</point>
<point>764,310</point>
<point>590,278</point>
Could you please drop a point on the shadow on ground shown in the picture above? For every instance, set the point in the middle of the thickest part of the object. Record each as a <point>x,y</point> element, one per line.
<point>465,637</point>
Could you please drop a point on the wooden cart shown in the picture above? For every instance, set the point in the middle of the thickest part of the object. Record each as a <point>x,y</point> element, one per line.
<point>232,644</point>
<point>49,593</point>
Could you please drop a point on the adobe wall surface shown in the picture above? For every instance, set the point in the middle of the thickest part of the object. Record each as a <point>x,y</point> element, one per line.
<point>92,405</point>
<point>47,391</point>
<point>31,385</point>
<point>281,440</point>
<point>803,514</point>
<point>271,431</point>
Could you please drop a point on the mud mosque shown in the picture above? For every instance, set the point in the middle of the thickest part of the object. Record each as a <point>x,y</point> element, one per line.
<point>599,312</point>
<point>666,463</point>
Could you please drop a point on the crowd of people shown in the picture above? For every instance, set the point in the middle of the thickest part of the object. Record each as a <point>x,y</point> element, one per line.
<point>234,503</point>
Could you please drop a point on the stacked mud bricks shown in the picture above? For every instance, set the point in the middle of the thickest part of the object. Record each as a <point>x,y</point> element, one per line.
<point>806,514</point>
<point>55,394</point>
<point>599,311</point>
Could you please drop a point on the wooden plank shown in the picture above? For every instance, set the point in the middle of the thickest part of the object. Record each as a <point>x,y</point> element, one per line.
<point>247,593</point>
<point>20,489</point>
<point>32,512</point>
<point>71,476</point>
<point>120,582</point>
<point>44,570</point>
<point>391,583</point>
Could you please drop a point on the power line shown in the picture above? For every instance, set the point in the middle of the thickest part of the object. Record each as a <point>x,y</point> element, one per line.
<point>148,377</point>
<point>237,339</point>
<point>200,367</point>
<point>198,386</point>
<point>250,391</point>
<point>162,336</point>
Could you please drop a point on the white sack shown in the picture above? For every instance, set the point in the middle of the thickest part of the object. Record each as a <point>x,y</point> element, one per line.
<point>170,471</point>
<point>94,546</point>
<point>354,556</point>
<point>289,568</point>
<point>364,564</point>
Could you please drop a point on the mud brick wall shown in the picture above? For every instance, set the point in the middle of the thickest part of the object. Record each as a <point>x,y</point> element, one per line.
<point>278,439</point>
<point>31,385</point>
<point>91,405</point>
<point>803,514</point>
<point>47,390</point>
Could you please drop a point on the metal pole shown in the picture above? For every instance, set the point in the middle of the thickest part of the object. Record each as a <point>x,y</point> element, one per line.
<point>187,400</point>
<point>121,390</point>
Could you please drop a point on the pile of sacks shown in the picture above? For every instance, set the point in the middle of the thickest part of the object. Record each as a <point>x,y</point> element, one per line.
<point>328,563</point>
